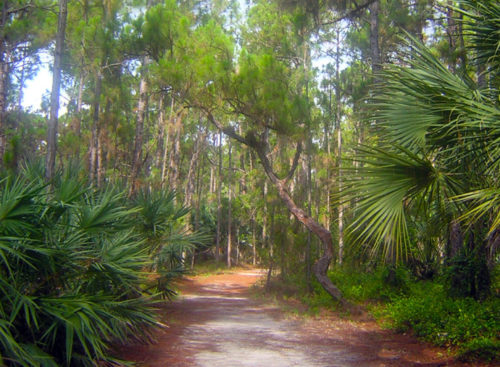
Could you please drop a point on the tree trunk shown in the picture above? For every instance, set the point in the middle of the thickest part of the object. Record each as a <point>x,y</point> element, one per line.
<point>161,134</point>
<point>254,240</point>
<point>237,246</point>
<point>328,149</point>
<point>77,120</point>
<point>100,146</point>
<point>175,153</point>
<point>4,76</point>
<point>338,117</point>
<point>229,209</point>
<point>320,268</point>
<point>374,38</point>
<point>22,81</point>
<point>219,202</point>
<point>165,145</point>
<point>50,161</point>
<point>94,144</point>
<point>190,180</point>
<point>264,221</point>
<point>456,239</point>
<point>451,31</point>
<point>139,127</point>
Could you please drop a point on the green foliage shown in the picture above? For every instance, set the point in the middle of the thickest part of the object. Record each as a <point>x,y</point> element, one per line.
<point>72,267</point>
<point>166,238</point>
<point>467,275</point>
<point>444,321</point>
<point>482,24</point>
<point>383,284</point>
<point>482,348</point>
<point>435,161</point>
<point>422,307</point>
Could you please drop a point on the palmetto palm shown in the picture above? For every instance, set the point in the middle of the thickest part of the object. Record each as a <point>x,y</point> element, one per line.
<point>166,237</point>
<point>71,272</point>
<point>437,157</point>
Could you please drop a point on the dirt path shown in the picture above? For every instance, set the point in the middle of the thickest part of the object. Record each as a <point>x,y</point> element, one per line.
<point>214,323</point>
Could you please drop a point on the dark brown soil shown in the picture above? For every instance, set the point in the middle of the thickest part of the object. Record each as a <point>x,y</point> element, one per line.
<point>215,323</point>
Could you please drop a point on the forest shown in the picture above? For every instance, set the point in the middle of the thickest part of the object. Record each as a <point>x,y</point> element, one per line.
<point>350,148</point>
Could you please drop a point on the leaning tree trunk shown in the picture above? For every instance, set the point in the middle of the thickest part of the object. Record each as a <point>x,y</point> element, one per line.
<point>50,161</point>
<point>320,268</point>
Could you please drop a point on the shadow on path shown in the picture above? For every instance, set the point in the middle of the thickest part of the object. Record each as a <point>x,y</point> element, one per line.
<point>214,323</point>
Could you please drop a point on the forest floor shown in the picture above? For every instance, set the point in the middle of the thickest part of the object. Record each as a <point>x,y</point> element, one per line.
<point>215,322</point>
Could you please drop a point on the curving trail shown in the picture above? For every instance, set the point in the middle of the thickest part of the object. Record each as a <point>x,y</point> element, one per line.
<point>214,323</point>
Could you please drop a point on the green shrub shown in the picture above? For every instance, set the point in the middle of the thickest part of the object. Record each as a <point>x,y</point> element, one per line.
<point>480,349</point>
<point>444,321</point>
<point>382,284</point>
<point>72,270</point>
<point>424,307</point>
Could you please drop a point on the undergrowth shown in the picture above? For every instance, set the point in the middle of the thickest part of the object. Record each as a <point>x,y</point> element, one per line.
<point>470,328</point>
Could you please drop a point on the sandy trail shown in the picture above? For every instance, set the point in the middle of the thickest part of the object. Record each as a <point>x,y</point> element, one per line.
<point>215,323</point>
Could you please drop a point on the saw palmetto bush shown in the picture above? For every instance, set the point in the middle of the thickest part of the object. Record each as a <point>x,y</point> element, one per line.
<point>73,271</point>
<point>437,158</point>
<point>168,237</point>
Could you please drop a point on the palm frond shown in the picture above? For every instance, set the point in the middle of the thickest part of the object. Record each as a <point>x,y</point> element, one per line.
<point>390,181</point>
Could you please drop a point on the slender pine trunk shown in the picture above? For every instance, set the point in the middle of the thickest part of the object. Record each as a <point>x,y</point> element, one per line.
<point>50,162</point>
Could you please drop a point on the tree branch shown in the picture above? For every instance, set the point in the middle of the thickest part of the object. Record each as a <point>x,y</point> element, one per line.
<point>350,14</point>
<point>294,164</point>
<point>228,130</point>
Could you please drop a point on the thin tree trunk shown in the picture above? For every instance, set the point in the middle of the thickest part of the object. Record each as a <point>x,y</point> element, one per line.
<point>328,148</point>
<point>338,117</point>
<point>264,221</point>
<point>254,240</point>
<point>161,133</point>
<point>139,127</point>
<point>50,161</point>
<point>95,127</point>
<point>175,154</point>
<point>456,239</point>
<point>165,150</point>
<point>229,208</point>
<point>219,202</point>
<point>237,246</point>
<point>190,180</point>
<point>306,66</point>
<point>100,146</point>
<point>451,31</point>
<point>21,84</point>
<point>4,74</point>
<point>77,121</point>
<point>374,37</point>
